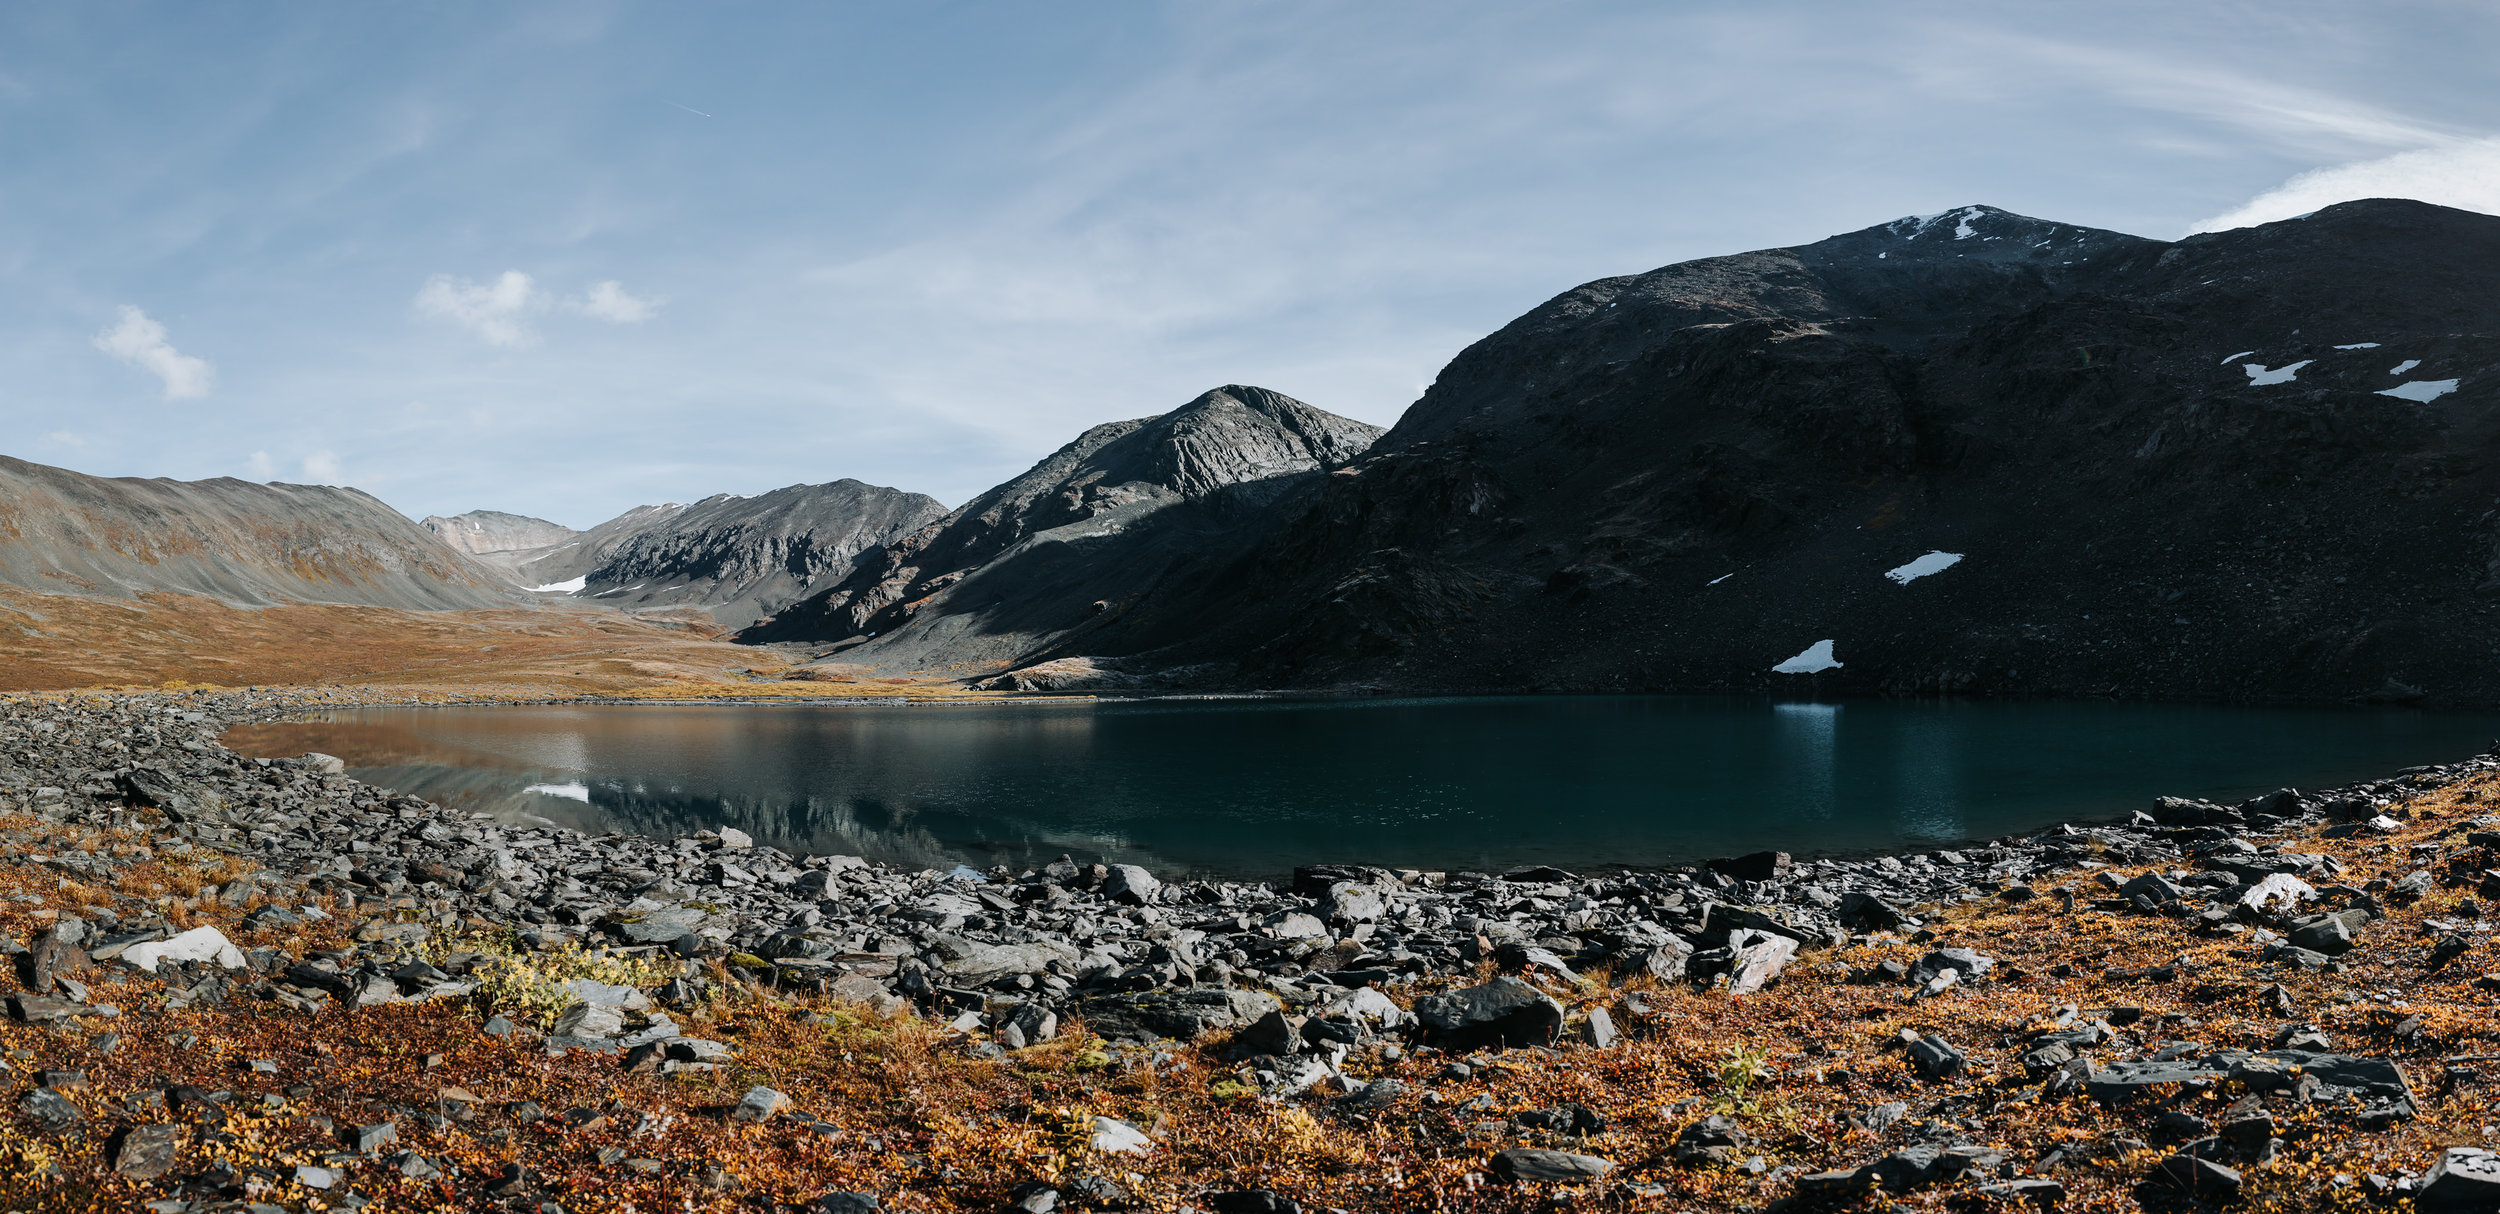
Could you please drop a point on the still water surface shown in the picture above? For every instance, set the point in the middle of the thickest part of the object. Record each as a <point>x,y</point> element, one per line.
<point>1254,788</point>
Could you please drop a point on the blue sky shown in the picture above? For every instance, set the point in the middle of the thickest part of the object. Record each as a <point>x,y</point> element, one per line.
<point>562,259</point>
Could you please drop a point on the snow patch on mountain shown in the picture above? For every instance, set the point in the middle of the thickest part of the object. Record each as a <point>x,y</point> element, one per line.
<point>2421,391</point>
<point>1933,562</point>
<point>1816,659</point>
<point>2260,375</point>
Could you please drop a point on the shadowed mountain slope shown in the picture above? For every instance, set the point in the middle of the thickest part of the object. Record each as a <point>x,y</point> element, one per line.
<point>2249,464</point>
<point>738,557</point>
<point>1080,541</point>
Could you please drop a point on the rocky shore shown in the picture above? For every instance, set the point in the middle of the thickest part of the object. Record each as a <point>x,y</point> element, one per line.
<point>1367,994</point>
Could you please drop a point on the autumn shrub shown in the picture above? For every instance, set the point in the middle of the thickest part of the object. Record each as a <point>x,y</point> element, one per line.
<point>522,985</point>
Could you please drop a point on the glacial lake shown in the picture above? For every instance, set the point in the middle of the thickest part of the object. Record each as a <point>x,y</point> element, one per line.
<point>1252,788</point>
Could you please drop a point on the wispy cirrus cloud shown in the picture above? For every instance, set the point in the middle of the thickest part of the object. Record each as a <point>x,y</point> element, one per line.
<point>2289,116</point>
<point>2462,173</point>
<point>140,341</point>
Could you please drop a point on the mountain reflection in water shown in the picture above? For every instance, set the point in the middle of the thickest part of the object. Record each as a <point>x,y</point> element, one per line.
<point>1254,788</point>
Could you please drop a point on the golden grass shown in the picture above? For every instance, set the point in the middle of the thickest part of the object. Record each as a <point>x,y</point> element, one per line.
<point>60,642</point>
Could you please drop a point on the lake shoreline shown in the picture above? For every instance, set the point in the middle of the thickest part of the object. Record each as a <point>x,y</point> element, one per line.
<point>1247,790</point>
<point>1340,991</point>
<point>761,890</point>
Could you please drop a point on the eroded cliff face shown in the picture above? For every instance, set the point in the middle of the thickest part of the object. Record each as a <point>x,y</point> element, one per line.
<point>741,558</point>
<point>1081,537</point>
<point>64,532</point>
<point>2250,464</point>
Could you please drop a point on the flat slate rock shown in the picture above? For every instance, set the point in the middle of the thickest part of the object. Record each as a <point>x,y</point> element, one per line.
<point>1180,1015</point>
<point>1526,1163</point>
<point>2466,1180</point>
<point>144,1152</point>
<point>43,1009</point>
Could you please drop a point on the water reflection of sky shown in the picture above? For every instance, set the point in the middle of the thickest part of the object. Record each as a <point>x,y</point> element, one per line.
<point>1255,788</point>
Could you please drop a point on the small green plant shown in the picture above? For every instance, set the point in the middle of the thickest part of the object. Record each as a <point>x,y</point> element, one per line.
<point>527,985</point>
<point>1745,1069</point>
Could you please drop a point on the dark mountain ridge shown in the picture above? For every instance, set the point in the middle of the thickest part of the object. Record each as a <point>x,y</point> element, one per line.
<point>1079,538</point>
<point>739,557</point>
<point>2232,466</point>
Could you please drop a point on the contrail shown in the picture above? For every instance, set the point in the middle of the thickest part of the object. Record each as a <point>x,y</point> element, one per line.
<point>691,110</point>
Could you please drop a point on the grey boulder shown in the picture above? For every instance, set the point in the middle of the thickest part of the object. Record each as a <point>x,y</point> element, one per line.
<point>1131,884</point>
<point>1503,1012</point>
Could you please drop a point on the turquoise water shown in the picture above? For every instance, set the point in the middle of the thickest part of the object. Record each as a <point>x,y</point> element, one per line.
<point>1253,788</point>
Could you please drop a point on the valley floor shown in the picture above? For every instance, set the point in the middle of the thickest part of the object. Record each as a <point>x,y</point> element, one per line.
<point>51,642</point>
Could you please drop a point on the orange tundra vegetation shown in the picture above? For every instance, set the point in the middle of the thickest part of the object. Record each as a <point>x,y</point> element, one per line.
<point>267,1098</point>
<point>54,642</point>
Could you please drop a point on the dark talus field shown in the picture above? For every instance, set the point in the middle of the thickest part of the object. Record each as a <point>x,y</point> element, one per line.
<point>2248,464</point>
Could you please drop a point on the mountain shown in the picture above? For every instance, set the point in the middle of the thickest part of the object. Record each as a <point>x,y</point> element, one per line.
<point>64,532</point>
<point>492,532</point>
<point>1975,452</point>
<point>739,557</point>
<point>1080,542</point>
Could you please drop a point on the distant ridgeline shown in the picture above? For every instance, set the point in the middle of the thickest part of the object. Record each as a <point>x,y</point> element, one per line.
<point>64,532</point>
<point>741,558</point>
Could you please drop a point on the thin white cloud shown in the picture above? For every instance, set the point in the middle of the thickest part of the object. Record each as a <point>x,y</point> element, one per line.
<point>261,467</point>
<point>609,301</point>
<point>322,468</point>
<point>140,341</point>
<point>496,311</point>
<point>2289,116</point>
<point>500,311</point>
<point>66,439</point>
<point>2464,173</point>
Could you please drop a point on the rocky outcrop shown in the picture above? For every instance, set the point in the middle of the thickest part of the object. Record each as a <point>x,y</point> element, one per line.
<point>738,557</point>
<point>1083,540</point>
<point>63,532</point>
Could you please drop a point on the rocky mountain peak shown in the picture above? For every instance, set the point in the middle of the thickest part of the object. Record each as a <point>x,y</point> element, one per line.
<point>736,555</point>
<point>484,531</point>
<point>1236,439</point>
